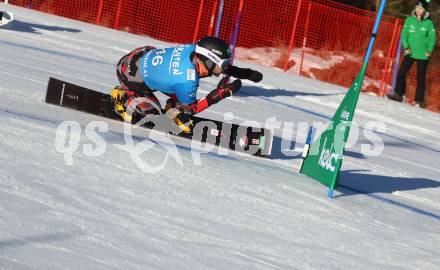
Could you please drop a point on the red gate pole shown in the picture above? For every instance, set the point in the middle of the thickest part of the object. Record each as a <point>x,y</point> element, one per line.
<point>305,37</point>
<point>98,16</point>
<point>211,23</point>
<point>118,14</point>
<point>382,87</point>
<point>198,21</point>
<point>292,37</point>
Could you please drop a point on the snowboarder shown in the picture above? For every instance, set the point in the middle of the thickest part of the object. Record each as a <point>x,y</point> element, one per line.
<point>176,72</point>
<point>418,38</point>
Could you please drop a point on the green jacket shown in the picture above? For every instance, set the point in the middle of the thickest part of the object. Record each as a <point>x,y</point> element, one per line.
<point>419,37</point>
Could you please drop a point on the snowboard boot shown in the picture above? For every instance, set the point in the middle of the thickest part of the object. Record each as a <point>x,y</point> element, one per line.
<point>132,106</point>
<point>182,120</point>
<point>120,97</point>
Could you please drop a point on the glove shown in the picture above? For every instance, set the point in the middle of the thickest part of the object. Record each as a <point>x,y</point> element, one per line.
<point>223,82</point>
<point>255,76</point>
<point>244,73</point>
<point>223,90</point>
<point>223,85</point>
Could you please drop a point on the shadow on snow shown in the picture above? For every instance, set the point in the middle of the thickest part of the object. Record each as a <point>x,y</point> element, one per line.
<point>357,182</point>
<point>33,28</point>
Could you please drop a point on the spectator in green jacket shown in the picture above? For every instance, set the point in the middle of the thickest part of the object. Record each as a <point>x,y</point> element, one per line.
<point>418,38</point>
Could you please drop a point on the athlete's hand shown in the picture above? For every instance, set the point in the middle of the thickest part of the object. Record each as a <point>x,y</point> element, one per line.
<point>223,90</point>
<point>428,54</point>
<point>223,82</point>
<point>243,73</point>
<point>255,76</point>
<point>224,87</point>
<point>407,51</point>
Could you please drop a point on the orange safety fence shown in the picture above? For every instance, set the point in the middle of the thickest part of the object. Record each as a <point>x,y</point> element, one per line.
<point>319,39</point>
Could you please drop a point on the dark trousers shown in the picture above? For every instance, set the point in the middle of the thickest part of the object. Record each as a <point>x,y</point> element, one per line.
<point>128,73</point>
<point>422,66</point>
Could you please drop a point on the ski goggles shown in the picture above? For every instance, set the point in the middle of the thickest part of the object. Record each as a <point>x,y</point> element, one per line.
<point>222,63</point>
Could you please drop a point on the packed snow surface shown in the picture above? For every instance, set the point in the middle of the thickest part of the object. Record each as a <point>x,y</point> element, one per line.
<point>202,210</point>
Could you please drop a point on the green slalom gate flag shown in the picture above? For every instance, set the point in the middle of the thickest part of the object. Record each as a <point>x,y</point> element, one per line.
<point>324,159</point>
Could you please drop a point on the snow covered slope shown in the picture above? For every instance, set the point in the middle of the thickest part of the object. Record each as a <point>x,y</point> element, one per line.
<point>229,212</point>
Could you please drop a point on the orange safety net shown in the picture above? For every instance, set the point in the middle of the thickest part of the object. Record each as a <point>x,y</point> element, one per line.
<point>319,39</point>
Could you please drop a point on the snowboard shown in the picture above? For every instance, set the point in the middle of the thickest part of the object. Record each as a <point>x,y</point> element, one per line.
<point>250,140</point>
